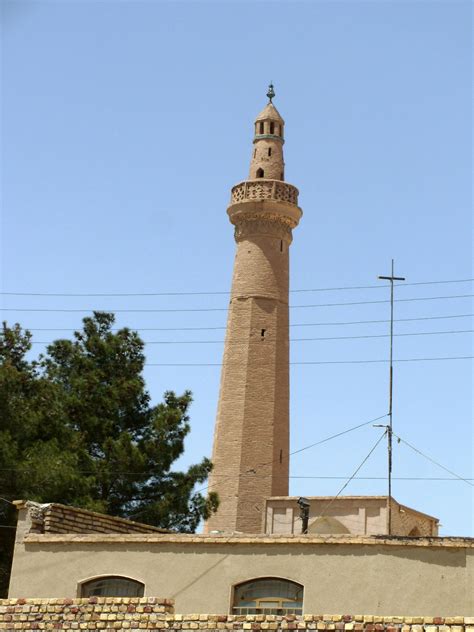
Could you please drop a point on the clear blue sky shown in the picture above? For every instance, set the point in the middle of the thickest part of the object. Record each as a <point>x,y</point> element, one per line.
<point>124,125</point>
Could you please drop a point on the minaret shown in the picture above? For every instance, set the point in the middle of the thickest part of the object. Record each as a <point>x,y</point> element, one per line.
<point>251,441</point>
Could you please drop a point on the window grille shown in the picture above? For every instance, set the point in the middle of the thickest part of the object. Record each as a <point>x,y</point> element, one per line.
<point>268,596</point>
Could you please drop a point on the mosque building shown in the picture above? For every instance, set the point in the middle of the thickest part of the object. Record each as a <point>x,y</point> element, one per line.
<point>263,552</point>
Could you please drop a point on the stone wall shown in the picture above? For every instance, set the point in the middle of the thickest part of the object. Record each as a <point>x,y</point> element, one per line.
<point>57,518</point>
<point>149,613</point>
<point>93,613</point>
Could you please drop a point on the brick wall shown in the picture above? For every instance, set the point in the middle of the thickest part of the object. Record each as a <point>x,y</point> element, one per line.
<point>150,613</point>
<point>405,519</point>
<point>56,518</point>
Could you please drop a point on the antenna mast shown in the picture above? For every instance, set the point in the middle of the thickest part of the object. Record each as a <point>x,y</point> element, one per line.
<point>390,278</point>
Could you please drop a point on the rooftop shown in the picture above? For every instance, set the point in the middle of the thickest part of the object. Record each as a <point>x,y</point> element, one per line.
<point>270,112</point>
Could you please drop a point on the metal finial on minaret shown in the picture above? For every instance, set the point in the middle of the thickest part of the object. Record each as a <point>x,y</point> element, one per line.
<point>271,92</point>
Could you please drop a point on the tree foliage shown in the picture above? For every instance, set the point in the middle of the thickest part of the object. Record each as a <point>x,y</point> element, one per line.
<point>77,426</point>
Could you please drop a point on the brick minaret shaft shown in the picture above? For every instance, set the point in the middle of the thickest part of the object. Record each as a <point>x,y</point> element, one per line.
<point>251,441</point>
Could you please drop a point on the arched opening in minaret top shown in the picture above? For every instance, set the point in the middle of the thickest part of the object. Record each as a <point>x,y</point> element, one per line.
<point>261,128</point>
<point>272,128</point>
<point>260,173</point>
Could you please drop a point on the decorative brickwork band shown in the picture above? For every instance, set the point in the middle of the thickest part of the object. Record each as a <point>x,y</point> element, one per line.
<point>263,225</point>
<point>264,190</point>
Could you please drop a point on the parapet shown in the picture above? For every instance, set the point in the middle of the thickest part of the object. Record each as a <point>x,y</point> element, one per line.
<point>54,518</point>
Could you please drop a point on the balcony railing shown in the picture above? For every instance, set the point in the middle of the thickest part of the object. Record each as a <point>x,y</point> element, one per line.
<point>264,190</point>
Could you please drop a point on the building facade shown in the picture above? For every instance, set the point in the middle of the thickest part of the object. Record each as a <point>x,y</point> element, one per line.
<point>62,553</point>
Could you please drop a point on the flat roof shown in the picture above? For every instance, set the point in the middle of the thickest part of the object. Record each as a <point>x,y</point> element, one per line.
<point>263,539</point>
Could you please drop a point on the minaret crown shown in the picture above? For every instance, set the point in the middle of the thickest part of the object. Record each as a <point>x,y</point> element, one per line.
<point>267,157</point>
<point>269,123</point>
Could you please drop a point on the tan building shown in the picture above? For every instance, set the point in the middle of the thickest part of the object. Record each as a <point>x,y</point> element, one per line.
<point>355,515</point>
<point>251,442</point>
<point>61,552</point>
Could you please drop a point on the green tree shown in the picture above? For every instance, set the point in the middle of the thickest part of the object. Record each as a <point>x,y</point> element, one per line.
<point>33,461</point>
<point>77,427</point>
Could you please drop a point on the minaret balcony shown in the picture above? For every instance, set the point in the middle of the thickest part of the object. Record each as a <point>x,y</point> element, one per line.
<point>263,189</point>
<point>263,199</point>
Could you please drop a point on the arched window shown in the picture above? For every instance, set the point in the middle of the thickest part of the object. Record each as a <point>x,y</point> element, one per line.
<point>272,128</point>
<point>269,595</point>
<point>415,533</point>
<point>261,127</point>
<point>260,173</point>
<point>112,586</point>
<point>269,151</point>
<point>326,524</point>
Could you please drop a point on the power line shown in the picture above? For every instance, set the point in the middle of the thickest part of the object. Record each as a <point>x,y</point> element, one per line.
<point>307,447</point>
<point>296,476</point>
<point>223,309</point>
<point>197,364</point>
<point>323,512</point>
<point>334,436</point>
<point>244,341</point>
<point>210,293</point>
<point>322,324</point>
<point>433,461</point>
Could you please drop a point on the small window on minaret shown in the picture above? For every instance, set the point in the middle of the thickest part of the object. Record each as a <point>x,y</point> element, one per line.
<point>269,151</point>
<point>272,128</point>
<point>254,153</point>
<point>260,173</point>
<point>261,128</point>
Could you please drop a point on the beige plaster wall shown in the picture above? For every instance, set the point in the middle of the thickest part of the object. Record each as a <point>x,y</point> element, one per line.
<point>339,574</point>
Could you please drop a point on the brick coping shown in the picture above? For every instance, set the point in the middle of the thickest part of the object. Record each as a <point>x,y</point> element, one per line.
<point>76,513</point>
<point>159,609</point>
<point>265,540</point>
